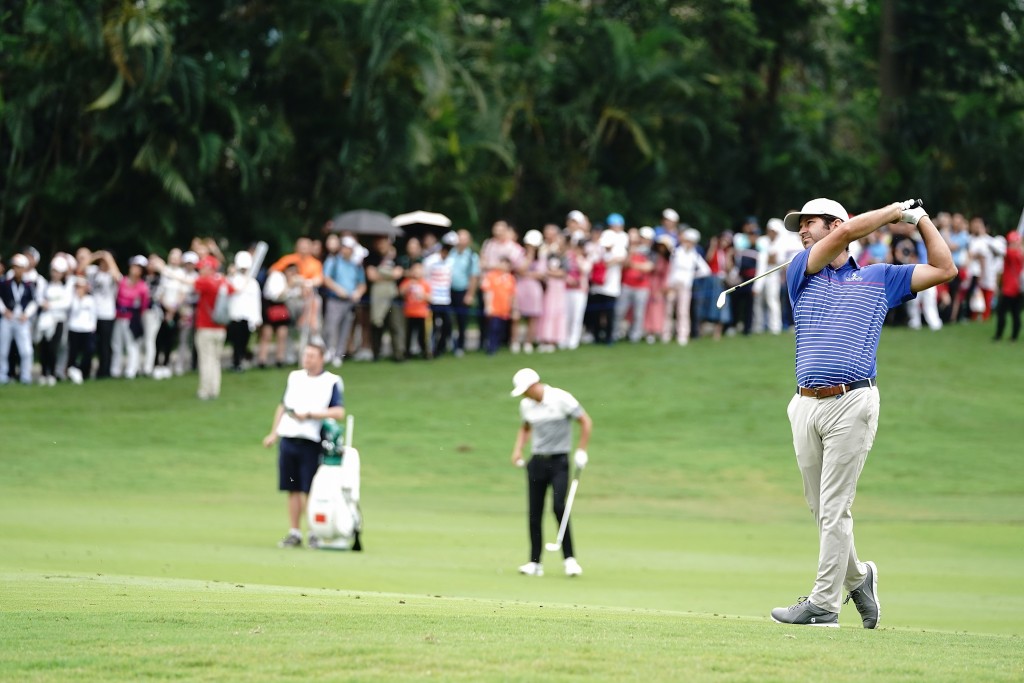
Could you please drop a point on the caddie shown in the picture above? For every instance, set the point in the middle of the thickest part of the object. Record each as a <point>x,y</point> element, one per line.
<point>311,396</point>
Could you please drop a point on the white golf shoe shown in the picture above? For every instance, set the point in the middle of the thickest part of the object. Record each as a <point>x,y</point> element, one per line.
<point>572,567</point>
<point>532,569</point>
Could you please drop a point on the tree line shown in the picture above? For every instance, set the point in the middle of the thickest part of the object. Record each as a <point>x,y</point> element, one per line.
<point>139,123</point>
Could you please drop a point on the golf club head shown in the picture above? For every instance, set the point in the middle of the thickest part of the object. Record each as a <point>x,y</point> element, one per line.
<point>721,300</point>
<point>553,546</point>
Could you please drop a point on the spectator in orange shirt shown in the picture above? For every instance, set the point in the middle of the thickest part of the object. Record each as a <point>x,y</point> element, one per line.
<point>415,291</point>
<point>499,288</point>
<point>311,270</point>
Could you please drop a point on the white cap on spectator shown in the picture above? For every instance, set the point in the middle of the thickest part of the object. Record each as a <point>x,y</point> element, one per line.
<point>671,215</point>
<point>691,235</point>
<point>451,238</point>
<point>647,232</point>
<point>190,257</point>
<point>576,215</point>
<point>243,260</point>
<point>58,264</point>
<point>349,242</point>
<point>139,260</point>
<point>776,225</point>
<point>19,261</point>
<point>533,238</point>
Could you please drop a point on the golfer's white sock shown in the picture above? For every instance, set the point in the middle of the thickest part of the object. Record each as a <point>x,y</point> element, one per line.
<point>295,532</point>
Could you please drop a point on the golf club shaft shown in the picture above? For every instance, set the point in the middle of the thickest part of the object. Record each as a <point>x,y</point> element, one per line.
<point>758,277</point>
<point>565,514</point>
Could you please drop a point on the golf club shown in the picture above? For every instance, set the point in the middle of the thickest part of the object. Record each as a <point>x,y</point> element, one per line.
<point>565,516</point>
<point>721,297</point>
<point>909,204</point>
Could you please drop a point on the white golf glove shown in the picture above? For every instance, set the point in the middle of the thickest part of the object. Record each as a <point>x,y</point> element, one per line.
<point>910,213</point>
<point>580,458</point>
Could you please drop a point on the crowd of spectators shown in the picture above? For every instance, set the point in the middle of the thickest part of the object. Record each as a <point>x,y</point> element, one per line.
<point>81,316</point>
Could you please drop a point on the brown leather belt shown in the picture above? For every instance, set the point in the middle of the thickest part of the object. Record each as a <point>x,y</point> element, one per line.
<point>828,392</point>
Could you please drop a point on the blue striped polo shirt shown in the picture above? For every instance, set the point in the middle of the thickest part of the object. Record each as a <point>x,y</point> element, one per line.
<point>838,316</point>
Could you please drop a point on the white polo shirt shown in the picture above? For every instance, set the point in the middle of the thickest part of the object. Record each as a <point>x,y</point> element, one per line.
<point>550,420</point>
<point>306,393</point>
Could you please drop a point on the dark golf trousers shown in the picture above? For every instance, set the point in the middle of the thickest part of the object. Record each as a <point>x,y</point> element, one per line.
<point>542,471</point>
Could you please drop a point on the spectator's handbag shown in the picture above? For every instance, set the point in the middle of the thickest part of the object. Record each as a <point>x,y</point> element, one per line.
<point>135,323</point>
<point>221,313</point>
<point>278,313</point>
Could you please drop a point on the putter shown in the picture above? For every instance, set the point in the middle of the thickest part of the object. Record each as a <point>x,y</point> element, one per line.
<point>565,516</point>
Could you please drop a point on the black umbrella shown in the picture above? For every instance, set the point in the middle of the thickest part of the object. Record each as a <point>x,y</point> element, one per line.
<point>364,222</point>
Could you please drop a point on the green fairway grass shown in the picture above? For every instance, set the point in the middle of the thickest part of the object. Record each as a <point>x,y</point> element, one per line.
<point>138,526</point>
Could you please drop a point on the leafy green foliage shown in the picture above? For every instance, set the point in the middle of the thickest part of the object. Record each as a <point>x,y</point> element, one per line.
<point>125,122</point>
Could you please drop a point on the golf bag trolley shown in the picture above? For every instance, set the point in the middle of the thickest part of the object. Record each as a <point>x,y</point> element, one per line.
<point>333,508</point>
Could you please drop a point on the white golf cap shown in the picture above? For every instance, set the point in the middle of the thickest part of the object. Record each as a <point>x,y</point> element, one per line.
<point>576,215</point>
<point>523,380</point>
<point>139,260</point>
<point>243,260</point>
<point>816,207</point>
<point>450,238</point>
<point>59,264</point>
<point>349,242</point>
<point>671,215</point>
<point>691,235</point>
<point>533,238</point>
<point>19,261</point>
<point>190,257</point>
<point>647,232</point>
<point>775,225</point>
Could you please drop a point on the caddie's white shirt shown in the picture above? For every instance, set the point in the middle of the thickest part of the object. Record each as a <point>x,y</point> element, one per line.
<point>304,394</point>
<point>550,420</point>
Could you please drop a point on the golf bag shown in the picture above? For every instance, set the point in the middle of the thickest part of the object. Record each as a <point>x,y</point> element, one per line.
<point>333,508</point>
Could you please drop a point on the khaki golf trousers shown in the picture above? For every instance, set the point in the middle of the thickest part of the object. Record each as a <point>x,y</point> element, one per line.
<point>832,437</point>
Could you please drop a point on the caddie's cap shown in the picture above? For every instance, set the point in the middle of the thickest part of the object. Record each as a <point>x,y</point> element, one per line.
<point>816,207</point>
<point>523,380</point>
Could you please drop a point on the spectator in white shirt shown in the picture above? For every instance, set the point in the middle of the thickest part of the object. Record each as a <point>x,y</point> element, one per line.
<point>246,309</point>
<point>81,332</point>
<point>54,298</point>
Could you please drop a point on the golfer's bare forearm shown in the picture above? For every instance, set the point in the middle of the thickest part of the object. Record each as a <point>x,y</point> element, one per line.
<point>864,224</point>
<point>939,254</point>
<point>586,426</point>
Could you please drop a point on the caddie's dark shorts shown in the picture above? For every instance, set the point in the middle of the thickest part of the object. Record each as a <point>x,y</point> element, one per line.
<point>297,462</point>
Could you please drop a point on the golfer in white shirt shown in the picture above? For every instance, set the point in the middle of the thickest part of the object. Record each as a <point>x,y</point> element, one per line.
<point>547,414</point>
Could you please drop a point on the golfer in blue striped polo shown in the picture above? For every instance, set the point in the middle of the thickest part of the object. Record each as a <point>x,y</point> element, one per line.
<point>838,311</point>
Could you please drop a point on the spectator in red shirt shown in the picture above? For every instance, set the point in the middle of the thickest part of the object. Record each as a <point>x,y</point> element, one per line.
<point>210,335</point>
<point>1009,291</point>
<point>636,283</point>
